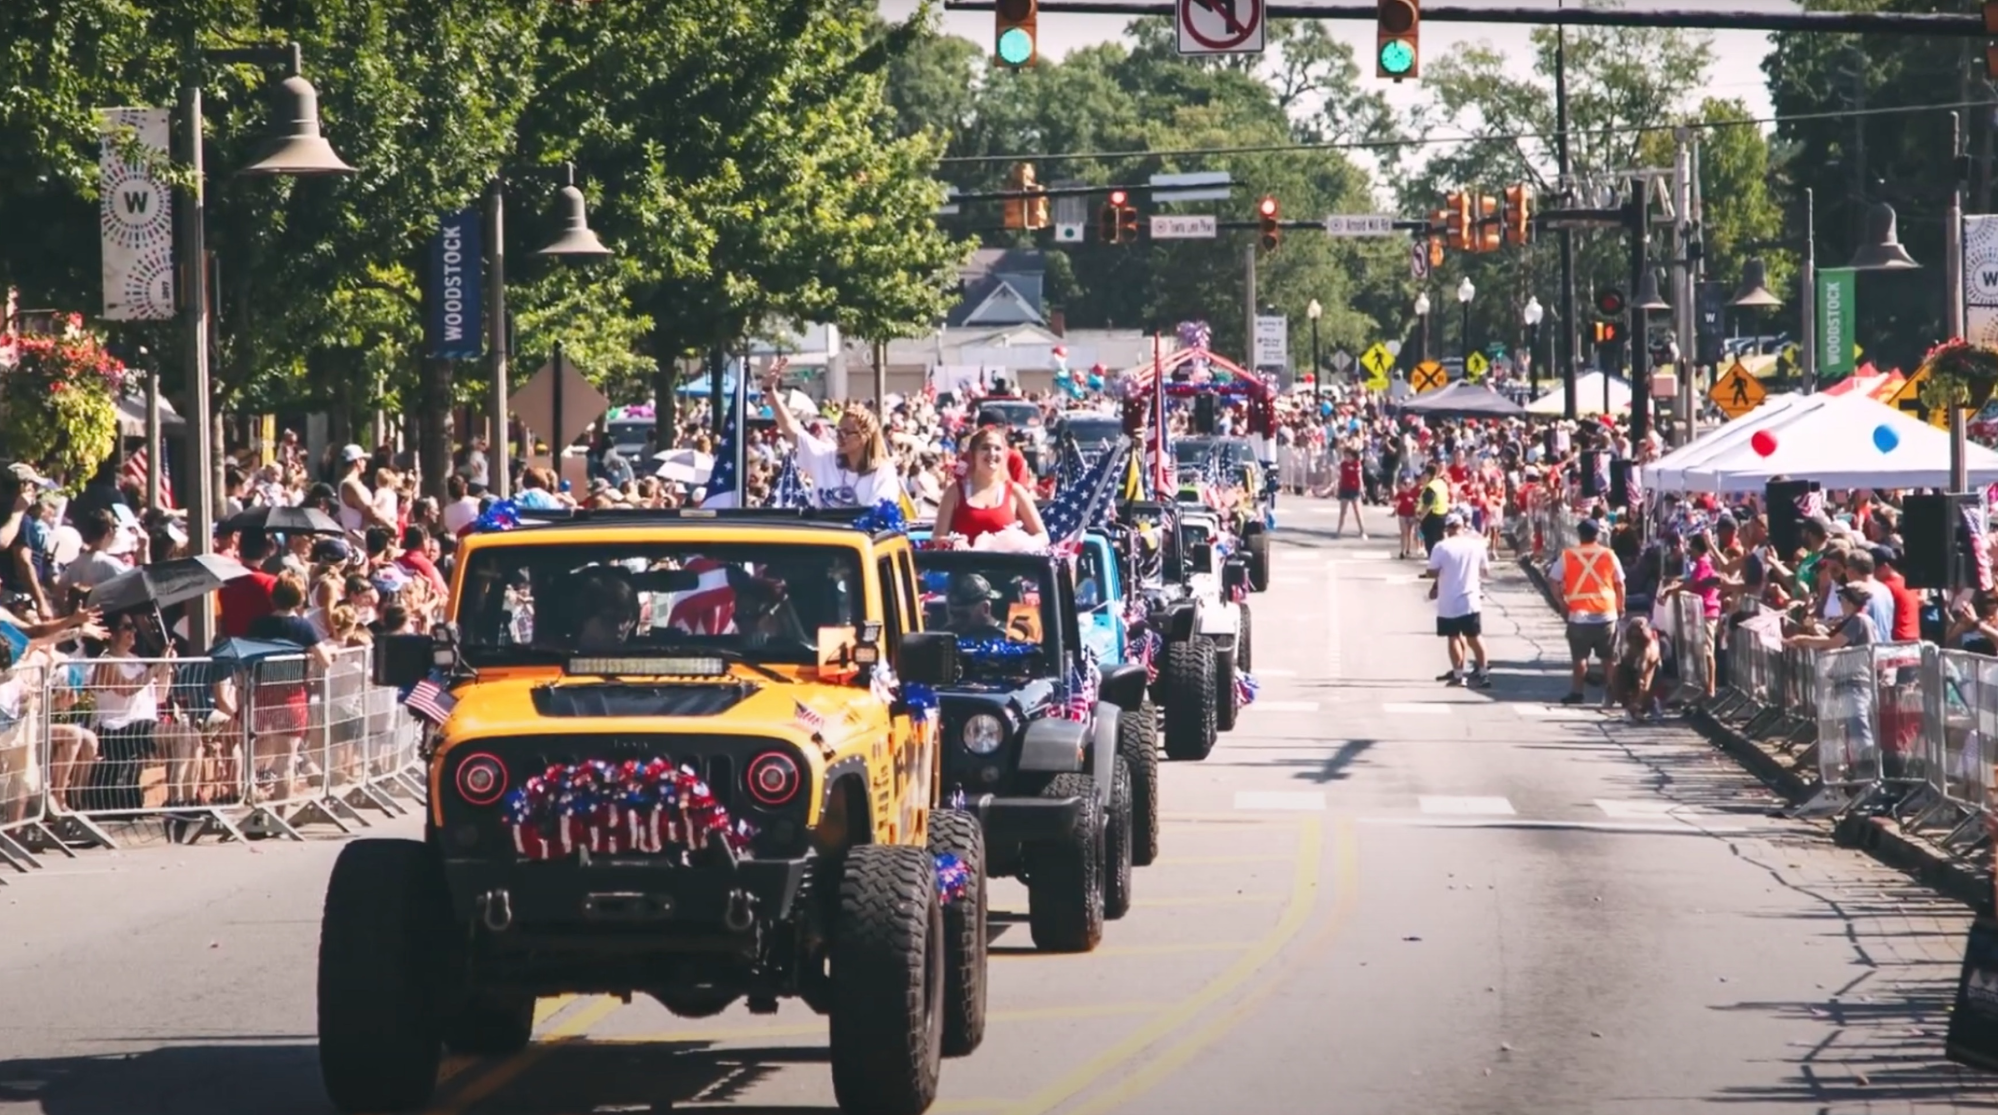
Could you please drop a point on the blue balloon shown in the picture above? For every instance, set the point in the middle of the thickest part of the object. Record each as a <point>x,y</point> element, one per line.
<point>1885,439</point>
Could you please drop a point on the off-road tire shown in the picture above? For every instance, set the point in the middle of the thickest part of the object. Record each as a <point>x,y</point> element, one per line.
<point>1118,834</point>
<point>1138,746</point>
<point>1258,547</point>
<point>886,1024</point>
<point>1227,704</point>
<point>1188,679</point>
<point>384,948</point>
<point>965,938</point>
<point>1245,643</point>
<point>1065,878</point>
<point>490,1025</point>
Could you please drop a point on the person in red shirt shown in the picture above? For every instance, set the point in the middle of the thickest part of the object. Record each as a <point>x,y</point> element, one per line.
<point>1352,483</point>
<point>1907,605</point>
<point>245,600</point>
<point>1404,514</point>
<point>419,557</point>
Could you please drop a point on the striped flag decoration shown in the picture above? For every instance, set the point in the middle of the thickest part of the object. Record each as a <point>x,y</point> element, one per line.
<point>809,718</point>
<point>134,471</point>
<point>721,484</point>
<point>1084,504</point>
<point>430,700</point>
<point>789,489</point>
<point>1069,468</point>
<point>1078,700</point>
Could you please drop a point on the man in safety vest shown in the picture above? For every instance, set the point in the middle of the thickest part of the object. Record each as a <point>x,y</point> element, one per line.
<point>1591,583</point>
<point>1432,504</point>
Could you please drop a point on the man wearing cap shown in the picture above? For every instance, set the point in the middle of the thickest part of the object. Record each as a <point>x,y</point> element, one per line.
<point>357,504</point>
<point>1590,580</point>
<point>1460,563</point>
<point>23,536</point>
<point>970,602</point>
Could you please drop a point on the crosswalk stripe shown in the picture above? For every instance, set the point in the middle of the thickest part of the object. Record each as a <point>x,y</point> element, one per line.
<point>1494,807</point>
<point>1288,800</point>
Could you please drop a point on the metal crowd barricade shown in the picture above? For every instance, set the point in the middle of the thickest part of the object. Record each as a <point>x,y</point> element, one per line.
<point>1848,741</point>
<point>24,766</point>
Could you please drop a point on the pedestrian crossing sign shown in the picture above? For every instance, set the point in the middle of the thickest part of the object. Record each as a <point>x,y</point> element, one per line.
<point>1737,392</point>
<point>1907,399</point>
<point>1377,360</point>
<point>1377,380</point>
<point>1475,366</point>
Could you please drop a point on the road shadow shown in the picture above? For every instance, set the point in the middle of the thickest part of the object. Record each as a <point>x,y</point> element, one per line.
<point>649,1077</point>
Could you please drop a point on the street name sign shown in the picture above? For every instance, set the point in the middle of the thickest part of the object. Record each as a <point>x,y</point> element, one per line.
<point>1220,26</point>
<point>1199,185</point>
<point>1272,341</point>
<point>1180,226</point>
<point>1361,224</point>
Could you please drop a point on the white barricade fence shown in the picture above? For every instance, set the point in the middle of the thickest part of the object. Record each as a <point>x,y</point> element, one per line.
<point>25,782</point>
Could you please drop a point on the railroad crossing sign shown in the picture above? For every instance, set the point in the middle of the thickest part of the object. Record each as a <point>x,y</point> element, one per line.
<point>1907,399</point>
<point>1737,392</point>
<point>1377,359</point>
<point>1220,26</point>
<point>1428,376</point>
<point>1475,367</point>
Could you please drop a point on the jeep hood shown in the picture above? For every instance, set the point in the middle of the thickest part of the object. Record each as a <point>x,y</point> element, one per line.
<point>539,702</point>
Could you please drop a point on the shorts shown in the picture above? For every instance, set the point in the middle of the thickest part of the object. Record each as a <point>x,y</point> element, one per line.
<point>1585,639</point>
<point>1349,493</point>
<point>1432,531</point>
<point>1467,626</point>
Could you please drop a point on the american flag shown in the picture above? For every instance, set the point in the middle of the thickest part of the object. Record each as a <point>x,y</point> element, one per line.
<point>1158,441</point>
<point>430,700</point>
<point>721,482</point>
<point>709,609</point>
<point>135,471</point>
<point>1082,505</point>
<point>1078,699</point>
<point>789,489</point>
<point>811,719</point>
<point>1069,467</point>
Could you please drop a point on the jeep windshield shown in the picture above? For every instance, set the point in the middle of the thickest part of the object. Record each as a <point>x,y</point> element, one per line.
<point>994,603</point>
<point>1093,433</point>
<point>1021,415</point>
<point>538,604</point>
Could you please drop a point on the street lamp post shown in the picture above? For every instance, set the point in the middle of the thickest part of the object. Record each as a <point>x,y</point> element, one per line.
<point>575,242</point>
<point>1422,326</point>
<point>297,150</point>
<point>1533,313</point>
<point>1465,292</point>
<point>1314,311</point>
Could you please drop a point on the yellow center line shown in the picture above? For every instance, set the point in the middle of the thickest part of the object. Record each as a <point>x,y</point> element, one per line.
<point>1303,897</point>
<point>1128,950</point>
<point>1175,1057</point>
<point>544,1009</point>
<point>1180,861</point>
<point>818,1029</point>
<point>1177,900</point>
<point>593,1011</point>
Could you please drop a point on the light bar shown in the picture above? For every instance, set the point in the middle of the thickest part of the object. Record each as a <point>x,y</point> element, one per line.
<point>649,667</point>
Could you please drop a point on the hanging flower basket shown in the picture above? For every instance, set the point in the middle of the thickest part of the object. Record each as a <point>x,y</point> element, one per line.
<point>1960,374</point>
<point>59,404</point>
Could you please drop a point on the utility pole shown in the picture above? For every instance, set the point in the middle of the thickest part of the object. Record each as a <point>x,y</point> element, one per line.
<point>1249,306</point>
<point>1684,239</point>
<point>1959,465</point>
<point>1639,344</point>
<point>1565,341</point>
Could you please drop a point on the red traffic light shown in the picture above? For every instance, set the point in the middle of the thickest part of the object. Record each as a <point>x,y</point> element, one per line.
<point>1267,207</point>
<point>1609,302</point>
<point>1119,198</point>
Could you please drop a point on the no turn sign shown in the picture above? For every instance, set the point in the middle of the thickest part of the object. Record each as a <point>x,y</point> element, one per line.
<point>1220,26</point>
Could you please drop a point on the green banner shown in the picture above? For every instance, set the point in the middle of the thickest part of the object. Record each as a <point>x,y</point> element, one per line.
<point>1836,292</point>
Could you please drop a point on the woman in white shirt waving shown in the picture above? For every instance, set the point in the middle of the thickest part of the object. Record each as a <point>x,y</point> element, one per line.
<point>853,470</point>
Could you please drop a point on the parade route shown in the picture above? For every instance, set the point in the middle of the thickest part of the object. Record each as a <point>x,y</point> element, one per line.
<point>1378,896</point>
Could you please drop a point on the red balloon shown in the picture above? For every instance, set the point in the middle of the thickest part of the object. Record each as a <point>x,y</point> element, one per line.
<point>1764,443</point>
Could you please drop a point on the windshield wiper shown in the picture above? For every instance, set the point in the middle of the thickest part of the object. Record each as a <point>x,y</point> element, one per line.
<point>742,659</point>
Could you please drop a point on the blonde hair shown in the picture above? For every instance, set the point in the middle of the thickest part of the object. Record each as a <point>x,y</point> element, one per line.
<point>288,593</point>
<point>341,619</point>
<point>873,447</point>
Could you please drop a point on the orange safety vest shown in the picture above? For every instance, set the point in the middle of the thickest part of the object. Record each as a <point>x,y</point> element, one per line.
<point>1588,580</point>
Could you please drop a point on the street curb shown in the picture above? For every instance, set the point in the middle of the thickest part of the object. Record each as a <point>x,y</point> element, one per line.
<point>1878,837</point>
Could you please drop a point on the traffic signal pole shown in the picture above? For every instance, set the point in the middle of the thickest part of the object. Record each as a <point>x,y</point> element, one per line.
<point>1566,351</point>
<point>1638,217</point>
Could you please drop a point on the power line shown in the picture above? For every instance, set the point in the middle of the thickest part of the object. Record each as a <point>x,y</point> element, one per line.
<point>1434,141</point>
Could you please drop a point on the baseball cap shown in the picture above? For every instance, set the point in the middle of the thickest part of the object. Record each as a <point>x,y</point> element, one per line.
<point>1884,555</point>
<point>26,474</point>
<point>1453,519</point>
<point>331,551</point>
<point>353,453</point>
<point>970,588</point>
<point>1587,529</point>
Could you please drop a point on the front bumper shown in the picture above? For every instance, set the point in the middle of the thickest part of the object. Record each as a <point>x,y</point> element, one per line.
<point>621,891</point>
<point>1026,820</point>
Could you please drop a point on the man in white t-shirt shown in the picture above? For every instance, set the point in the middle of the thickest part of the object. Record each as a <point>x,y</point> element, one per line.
<point>1460,563</point>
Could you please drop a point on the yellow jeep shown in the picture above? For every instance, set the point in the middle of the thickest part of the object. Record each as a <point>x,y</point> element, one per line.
<point>689,754</point>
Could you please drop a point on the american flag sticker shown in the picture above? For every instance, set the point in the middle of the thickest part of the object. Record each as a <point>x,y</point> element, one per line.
<point>431,701</point>
<point>811,719</point>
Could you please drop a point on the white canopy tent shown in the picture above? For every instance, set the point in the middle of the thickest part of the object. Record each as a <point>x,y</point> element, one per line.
<point>1668,473</point>
<point>1588,397</point>
<point>1836,445</point>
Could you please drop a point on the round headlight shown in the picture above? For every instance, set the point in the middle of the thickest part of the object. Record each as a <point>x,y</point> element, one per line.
<point>983,734</point>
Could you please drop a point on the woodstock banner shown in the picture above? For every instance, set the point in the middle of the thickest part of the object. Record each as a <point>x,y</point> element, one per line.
<point>136,216</point>
<point>1980,280</point>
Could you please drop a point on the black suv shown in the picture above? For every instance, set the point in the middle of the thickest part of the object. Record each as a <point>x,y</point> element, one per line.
<point>1034,738</point>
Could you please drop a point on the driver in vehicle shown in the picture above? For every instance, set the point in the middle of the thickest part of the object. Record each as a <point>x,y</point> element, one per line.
<point>970,603</point>
<point>609,607</point>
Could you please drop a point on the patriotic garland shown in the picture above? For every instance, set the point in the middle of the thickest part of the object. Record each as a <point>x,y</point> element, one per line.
<point>1149,646</point>
<point>996,650</point>
<point>609,808</point>
<point>502,515</point>
<point>1245,689</point>
<point>886,515</point>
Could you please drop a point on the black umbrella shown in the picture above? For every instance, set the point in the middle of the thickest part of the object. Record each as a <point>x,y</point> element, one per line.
<point>165,584</point>
<point>239,653</point>
<point>283,520</point>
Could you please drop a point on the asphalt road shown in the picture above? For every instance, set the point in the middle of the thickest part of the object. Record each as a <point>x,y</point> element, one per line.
<point>1378,896</point>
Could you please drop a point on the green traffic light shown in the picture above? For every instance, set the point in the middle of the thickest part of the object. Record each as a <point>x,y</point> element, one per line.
<point>1397,57</point>
<point>1015,46</point>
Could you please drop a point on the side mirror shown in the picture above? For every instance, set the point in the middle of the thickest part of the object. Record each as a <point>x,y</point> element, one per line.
<point>1181,623</point>
<point>1123,685</point>
<point>928,658</point>
<point>403,660</point>
<point>1234,575</point>
<point>1200,559</point>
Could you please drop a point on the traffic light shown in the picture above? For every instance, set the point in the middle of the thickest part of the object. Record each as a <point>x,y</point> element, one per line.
<point>1609,332</point>
<point>1110,219</point>
<point>1489,235</point>
<point>1610,302</point>
<point>1017,28</point>
<point>1439,225</point>
<point>1015,208</point>
<point>1398,24</point>
<point>1127,224</point>
<point>1518,215</point>
<point>1272,227</point>
<point>1457,223</point>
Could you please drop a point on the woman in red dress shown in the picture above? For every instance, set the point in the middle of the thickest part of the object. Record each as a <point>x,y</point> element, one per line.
<point>986,500</point>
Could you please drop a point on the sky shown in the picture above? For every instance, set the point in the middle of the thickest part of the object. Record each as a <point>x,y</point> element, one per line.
<point>1737,72</point>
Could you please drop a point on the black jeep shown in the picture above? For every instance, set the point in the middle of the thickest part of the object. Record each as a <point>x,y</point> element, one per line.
<point>1161,567</point>
<point>1031,734</point>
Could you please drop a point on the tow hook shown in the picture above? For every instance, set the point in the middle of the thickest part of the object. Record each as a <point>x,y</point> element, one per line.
<point>496,910</point>
<point>738,917</point>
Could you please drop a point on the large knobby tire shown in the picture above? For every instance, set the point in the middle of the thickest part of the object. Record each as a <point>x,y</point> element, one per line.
<point>886,1024</point>
<point>959,834</point>
<point>384,949</point>
<point>1227,704</point>
<point>1258,546</point>
<point>1188,679</point>
<point>1065,878</point>
<point>1138,746</point>
<point>491,1025</point>
<point>1245,643</point>
<point>1117,845</point>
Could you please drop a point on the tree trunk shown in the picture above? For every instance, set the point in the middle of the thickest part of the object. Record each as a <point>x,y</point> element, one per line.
<point>434,426</point>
